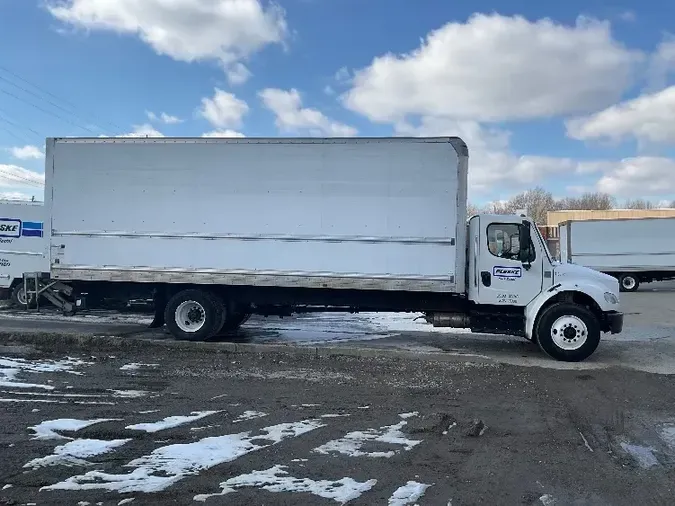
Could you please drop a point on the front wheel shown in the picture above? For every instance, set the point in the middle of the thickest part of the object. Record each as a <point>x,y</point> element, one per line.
<point>568,332</point>
<point>195,315</point>
<point>629,282</point>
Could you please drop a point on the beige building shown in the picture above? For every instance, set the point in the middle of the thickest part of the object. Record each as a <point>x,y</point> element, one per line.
<point>553,218</point>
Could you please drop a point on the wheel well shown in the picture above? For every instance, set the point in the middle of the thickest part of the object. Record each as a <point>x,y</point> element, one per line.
<point>574,297</point>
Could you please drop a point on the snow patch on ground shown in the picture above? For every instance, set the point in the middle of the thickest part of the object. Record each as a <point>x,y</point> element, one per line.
<point>409,493</point>
<point>170,422</point>
<point>75,452</point>
<point>406,322</point>
<point>50,429</point>
<point>409,415</point>
<point>352,443</point>
<point>10,368</point>
<point>667,433</point>
<point>129,394</point>
<point>134,366</point>
<point>277,479</point>
<point>125,501</point>
<point>643,455</point>
<point>249,415</point>
<point>169,464</point>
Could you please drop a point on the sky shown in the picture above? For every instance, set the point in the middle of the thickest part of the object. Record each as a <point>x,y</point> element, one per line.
<point>572,96</point>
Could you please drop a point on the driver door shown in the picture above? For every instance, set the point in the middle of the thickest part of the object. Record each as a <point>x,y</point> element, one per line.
<point>501,278</point>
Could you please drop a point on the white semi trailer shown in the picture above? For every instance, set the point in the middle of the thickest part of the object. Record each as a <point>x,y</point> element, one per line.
<point>222,228</point>
<point>633,250</point>
<point>23,246</point>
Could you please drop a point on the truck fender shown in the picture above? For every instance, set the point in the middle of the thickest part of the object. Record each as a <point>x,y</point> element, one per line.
<point>587,290</point>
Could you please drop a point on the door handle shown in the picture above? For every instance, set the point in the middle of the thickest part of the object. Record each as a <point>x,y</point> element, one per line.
<point>486,278</point>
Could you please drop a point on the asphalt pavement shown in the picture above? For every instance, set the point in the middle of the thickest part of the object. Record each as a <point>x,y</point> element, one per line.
<point>407,415</point>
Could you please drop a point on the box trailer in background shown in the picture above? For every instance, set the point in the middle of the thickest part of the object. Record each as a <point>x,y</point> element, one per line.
<point>218,229</point>
<point>634,250</point>
<point>22,246</point>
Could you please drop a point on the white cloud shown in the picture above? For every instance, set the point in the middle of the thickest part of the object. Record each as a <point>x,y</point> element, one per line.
<point>223,133</point>
<point>291,116</point>
<point>662,63</point>
<point>237,73</point>
<point>628,16</point>
<point>495,68</point>
<point>493,166</point>
<point>644,176</point>
<point>186,30</point>
<point>224,110</point>
<point>165,118</point>
<point>15,195</point>
<point>342,75</point>
<point>648,118</point>
<point>14,176</point>
<point>145,130</point>
<point>27,152</point>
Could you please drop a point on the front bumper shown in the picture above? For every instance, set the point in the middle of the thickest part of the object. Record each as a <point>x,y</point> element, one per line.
<point>614,322</point>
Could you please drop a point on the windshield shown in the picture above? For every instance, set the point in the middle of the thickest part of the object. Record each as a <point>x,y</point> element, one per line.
<point>543,243</point>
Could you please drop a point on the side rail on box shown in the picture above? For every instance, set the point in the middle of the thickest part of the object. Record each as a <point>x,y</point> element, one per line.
<point>39,284</point>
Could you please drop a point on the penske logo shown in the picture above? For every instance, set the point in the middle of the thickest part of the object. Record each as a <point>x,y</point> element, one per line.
<point>14,228</point>
<point>507,272</point>
<point>10,227</point>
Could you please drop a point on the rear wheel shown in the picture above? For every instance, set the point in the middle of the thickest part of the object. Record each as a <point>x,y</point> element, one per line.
<point>234,321</point>
<point>19,296</point>
<point>568,332</point>
<point>195,315</point>
<point>629,282</point>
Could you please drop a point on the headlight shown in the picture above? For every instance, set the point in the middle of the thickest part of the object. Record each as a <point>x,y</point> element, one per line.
<point>611,298</point>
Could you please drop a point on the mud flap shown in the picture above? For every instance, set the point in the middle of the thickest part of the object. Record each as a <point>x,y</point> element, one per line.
<point>159,301</point>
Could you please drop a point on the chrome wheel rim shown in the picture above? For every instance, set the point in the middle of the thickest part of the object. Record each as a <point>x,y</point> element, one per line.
<point>21,297</point>
<point>628,282</point>
<point>190,316</point>
<point>569,332</point>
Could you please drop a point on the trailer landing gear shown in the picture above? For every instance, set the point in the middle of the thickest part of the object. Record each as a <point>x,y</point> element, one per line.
<point>37,284</point>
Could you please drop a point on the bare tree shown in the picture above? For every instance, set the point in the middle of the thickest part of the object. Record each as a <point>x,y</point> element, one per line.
<point>537,202</point>
<point>639,204</point>
<point>472,209</point>
<point>597,201</point>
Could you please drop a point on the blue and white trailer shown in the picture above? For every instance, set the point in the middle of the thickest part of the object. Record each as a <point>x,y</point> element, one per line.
<point>22,246</point>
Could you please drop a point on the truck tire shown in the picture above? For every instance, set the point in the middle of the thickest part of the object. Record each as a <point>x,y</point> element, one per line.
<point>568,332</point>
<point>195,315</point>
<point>629,283</point>
<point>234,321</point>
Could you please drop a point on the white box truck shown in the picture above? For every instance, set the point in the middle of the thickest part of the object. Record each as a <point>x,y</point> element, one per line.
<point>221,228</point>
<point>634,250</point>
<point>22,246</point>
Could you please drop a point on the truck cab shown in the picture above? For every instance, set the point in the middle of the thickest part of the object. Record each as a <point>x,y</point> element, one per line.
<point>514,283</point>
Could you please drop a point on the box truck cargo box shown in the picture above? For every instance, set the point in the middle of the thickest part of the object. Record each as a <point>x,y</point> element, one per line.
<point>220,228</point>
<point>634,250</point>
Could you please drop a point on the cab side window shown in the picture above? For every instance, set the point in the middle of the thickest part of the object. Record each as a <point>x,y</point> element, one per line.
<point>503,241</point>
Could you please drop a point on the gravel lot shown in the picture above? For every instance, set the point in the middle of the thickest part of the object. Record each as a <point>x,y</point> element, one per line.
<point>489,421</point>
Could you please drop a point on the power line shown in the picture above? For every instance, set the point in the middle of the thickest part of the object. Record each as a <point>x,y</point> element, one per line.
<point>18,179</point>
<point>9,121</point>
<point>46,111</point>
<point>36,95</point>
<point>56,97</point>
<point>13,134</point>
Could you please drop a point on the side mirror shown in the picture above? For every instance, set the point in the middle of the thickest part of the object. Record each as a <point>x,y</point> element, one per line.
<point>524,239</point>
